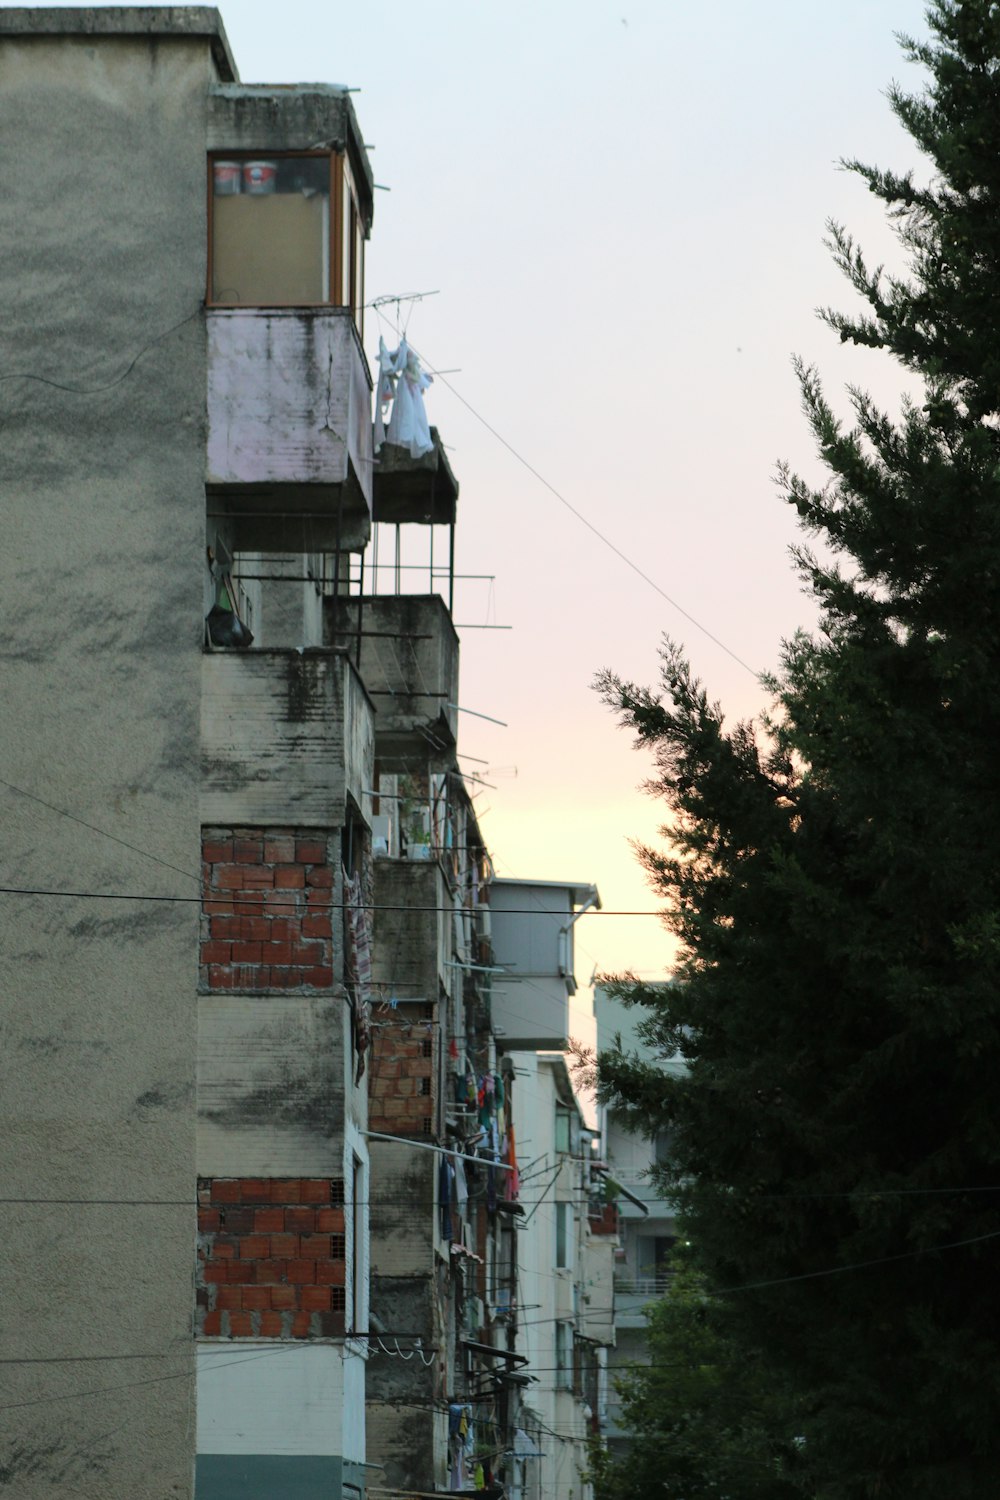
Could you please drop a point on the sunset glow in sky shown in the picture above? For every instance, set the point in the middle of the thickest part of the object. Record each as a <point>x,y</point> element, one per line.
<point>621,209</point>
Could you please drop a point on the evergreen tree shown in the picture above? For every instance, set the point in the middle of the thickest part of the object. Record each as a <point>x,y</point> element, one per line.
<point>833,875</point>
<point>711,1423</point>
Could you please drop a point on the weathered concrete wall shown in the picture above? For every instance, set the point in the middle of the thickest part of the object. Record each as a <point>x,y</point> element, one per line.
<point>285,736</point>
<point>409,661</point>
<point>411,945</point>
<point>270,1084</point>
<point>400,1439</point>
<point>102,265</point>
<point>289,402</point>
<point>404,1300</point>
<point>402,1213</point>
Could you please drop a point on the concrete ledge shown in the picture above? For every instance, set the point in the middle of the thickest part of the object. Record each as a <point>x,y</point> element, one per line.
<point>125,20</point>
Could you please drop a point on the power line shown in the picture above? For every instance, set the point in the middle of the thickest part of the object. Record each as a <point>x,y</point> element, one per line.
<point>879,1193</point>
<point>152,1380</point>
<point>88,1359</point>
<point>254,896</point>
<point>32,797</point>
<point>589,524</point>
<point>94,390</point>
<point>858,1265</point>
<point>366,1202</point>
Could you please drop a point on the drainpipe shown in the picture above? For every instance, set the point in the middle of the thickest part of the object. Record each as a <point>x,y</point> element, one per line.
<point>593,901</point>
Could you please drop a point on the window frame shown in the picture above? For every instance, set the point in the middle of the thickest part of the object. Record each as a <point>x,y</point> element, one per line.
<point>564,1236</point>
<point>359,1213</point>
<point>564,1342</point>
<point>342,187</point>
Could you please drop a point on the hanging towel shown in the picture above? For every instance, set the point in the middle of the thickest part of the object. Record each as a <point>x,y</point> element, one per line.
<point>444,1197</point>
<point>461,1186</point>
<point>512,1187</point>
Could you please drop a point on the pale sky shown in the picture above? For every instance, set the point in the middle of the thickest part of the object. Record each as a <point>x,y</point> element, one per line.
<point>621,207</point>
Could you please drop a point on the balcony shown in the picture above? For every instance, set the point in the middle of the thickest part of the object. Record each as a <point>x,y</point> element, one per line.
<point>408,662</point>
<point>634,1294</point>
<point>286,735</point>
<point>411,944</point>
<point>422,490</point>
<point>289,429</point>
<point>532,924</point>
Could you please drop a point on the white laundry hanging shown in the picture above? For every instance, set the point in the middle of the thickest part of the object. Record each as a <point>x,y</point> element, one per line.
<point>401,380</point>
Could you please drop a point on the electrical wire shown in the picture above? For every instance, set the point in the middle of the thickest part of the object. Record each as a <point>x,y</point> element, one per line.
<point>155,858</point>
<point>858,1265</point>
<point>252,897</point>
<point>152,1380</point>
<point>94,390</point>
<point>601,536</point>
<point>249,897</point>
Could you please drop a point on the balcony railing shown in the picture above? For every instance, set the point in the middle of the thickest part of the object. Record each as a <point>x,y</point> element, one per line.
<point>629,1176</point>
<point>642,1286</point>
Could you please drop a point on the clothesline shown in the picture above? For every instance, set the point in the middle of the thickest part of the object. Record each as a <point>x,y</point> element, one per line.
<point>405,1140</point>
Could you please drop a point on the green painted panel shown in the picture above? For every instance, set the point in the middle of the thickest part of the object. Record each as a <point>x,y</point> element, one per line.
<point>270,1476</point>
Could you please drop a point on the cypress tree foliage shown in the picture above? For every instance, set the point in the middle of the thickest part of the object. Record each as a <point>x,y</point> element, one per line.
<point>833,875</point>
<point>709,1416</point>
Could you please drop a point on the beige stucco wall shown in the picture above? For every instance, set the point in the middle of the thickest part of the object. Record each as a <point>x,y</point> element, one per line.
<point>102,254</point>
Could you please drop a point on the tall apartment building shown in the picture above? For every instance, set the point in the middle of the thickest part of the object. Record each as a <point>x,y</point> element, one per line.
<point>566,1283</point>
<point>565,1242</point>
<point>187,433</point>
<point>646,1226</point>
<point>260,1171</point>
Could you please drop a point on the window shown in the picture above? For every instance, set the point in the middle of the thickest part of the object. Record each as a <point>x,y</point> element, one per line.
<point>564,1357</point>
<point>567,1130</point>
<point>285,231</point>
<point>564,1240</point>
<point>653,1255</point>
<point>503,1263</point>
<point>662,1145</point>
<point>358,1268</point>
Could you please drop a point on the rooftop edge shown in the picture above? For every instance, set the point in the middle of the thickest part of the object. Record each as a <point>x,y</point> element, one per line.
<point>125,20</point>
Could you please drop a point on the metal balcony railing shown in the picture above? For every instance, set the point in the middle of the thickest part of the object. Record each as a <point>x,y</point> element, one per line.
<point>642,1286</point>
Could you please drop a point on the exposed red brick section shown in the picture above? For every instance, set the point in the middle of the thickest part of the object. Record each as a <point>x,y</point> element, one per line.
<point>267,1266</point>
<point>402,1086</point>
<point>266,920</point>
<point>606,1222</point>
